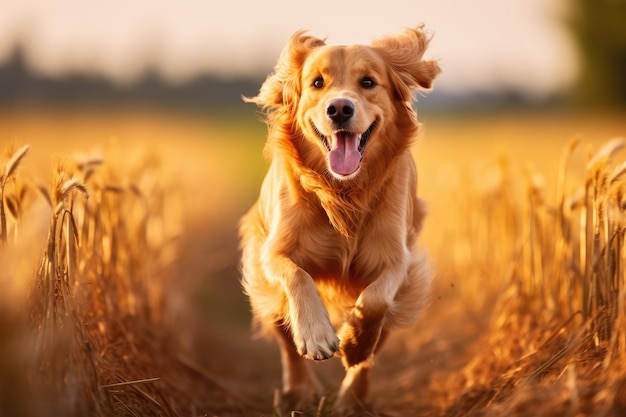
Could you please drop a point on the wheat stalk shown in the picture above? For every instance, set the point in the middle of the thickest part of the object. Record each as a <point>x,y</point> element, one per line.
<point>15,158</point>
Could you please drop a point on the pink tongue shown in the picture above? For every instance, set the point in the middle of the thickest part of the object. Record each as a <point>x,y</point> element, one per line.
<point>344,157</point>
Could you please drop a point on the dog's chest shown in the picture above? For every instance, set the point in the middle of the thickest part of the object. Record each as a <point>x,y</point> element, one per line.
<point>328,256</point>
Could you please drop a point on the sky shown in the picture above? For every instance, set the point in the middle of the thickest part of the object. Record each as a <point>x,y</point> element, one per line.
<point>481,45</point>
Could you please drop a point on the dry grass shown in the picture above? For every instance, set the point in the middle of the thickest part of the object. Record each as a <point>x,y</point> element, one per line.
<point>556,343</point>
<point>91,326</point>
<point>120,279</point>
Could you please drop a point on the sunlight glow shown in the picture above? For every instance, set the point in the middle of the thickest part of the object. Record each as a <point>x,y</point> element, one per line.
<point>481,45</point>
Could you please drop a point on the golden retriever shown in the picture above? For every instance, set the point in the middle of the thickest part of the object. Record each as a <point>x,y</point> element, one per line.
<point>328,251</point>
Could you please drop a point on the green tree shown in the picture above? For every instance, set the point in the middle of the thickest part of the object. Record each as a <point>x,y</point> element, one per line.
<point>599,28</point>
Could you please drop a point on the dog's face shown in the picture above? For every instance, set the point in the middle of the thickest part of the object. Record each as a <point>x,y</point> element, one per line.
<point>351,103</point>
<point>345,98</point>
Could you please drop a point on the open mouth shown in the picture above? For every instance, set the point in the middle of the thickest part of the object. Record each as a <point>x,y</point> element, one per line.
<point>345,149</point>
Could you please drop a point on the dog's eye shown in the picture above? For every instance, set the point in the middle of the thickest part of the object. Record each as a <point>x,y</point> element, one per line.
<point>318,82</point>
<point>367,82</point>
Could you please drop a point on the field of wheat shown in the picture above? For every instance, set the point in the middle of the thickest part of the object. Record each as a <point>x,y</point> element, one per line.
<point>118,257</point>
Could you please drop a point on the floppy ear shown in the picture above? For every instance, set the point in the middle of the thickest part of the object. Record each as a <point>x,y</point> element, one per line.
<point>403,53</point>
<point>282,87</point>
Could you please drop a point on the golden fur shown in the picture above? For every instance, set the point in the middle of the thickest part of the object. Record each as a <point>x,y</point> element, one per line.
<point>330,243</point>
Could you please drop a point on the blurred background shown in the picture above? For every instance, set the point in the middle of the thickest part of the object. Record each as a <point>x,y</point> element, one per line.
<point>194,53</point>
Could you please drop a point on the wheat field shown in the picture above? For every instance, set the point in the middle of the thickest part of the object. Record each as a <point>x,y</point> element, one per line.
<point>120,284</point>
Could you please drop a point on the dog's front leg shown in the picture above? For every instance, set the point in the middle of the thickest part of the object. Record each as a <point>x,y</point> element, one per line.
<point>361,332</point>
<point>313,334</point>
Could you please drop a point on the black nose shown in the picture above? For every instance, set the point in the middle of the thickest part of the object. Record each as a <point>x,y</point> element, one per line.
<point>340,109</point>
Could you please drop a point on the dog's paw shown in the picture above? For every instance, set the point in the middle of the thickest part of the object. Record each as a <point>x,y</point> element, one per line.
<point>359,337</point>
<point>316,341</point>
<point>353,350</point>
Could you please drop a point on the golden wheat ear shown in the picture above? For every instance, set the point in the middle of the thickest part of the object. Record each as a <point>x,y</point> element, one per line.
<point>282,86</point>
<point>404,54</point>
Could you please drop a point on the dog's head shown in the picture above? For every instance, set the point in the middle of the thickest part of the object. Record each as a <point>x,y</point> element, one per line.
<point>352,103</point>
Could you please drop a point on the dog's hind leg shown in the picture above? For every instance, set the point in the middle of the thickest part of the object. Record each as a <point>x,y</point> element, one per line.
<point>300,386</point>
